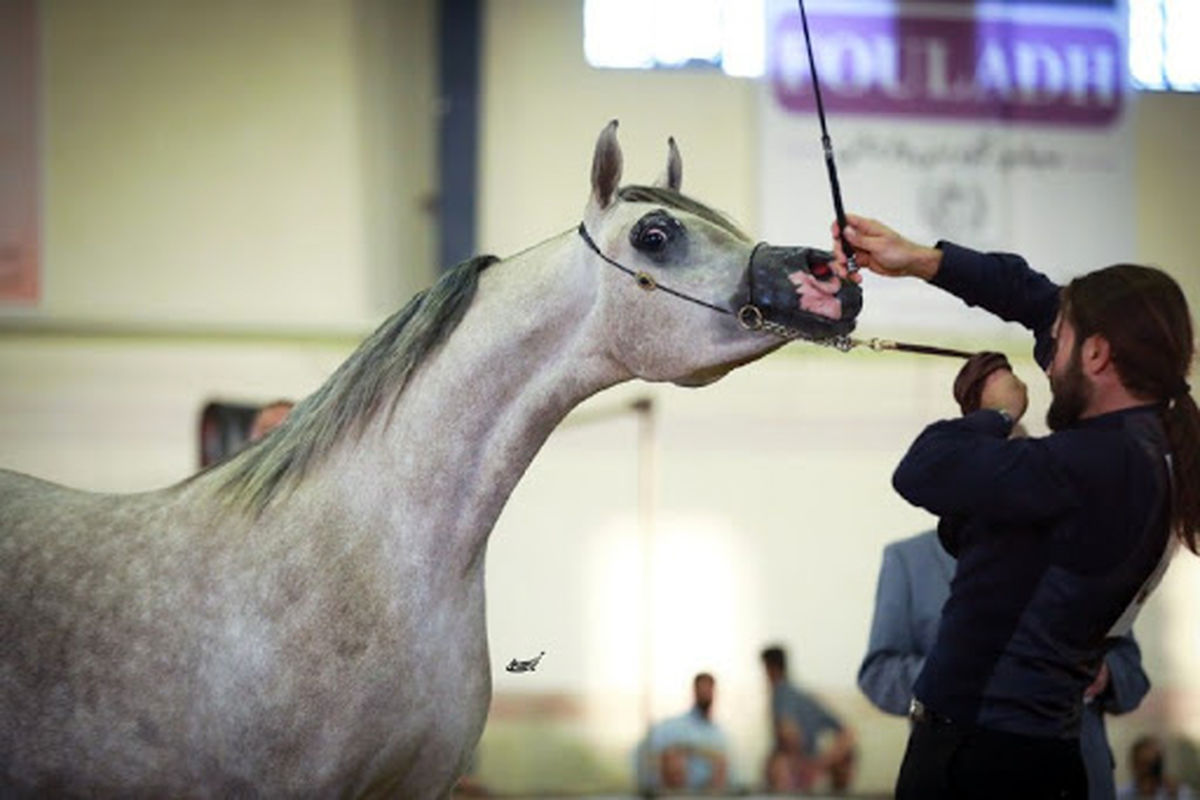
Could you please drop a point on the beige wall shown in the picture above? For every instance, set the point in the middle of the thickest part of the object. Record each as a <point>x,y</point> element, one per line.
<point>235,190</point>
<point>1168,161</point>
<point>544,107</point>
<point>254,164</point>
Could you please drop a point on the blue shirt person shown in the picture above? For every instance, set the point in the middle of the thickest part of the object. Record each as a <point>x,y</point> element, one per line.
<point>688,751</point>
<point>809,742</point>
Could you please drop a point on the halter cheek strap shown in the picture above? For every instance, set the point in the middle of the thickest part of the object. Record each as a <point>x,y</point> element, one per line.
<point>644,279</point>
<point>750,316</point>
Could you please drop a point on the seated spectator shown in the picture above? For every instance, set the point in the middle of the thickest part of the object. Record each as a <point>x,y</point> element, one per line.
<point>687,752</point>
<point>1149,779</point>
<point>268,418</point>
<point>799,758</point>
<point>469,783</point>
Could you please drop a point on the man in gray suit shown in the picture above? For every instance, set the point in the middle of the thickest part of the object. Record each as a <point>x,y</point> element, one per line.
<point>914,583</point>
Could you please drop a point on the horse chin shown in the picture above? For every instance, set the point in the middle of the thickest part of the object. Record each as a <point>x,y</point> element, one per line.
<point>702,377</point>
<point>707,375</point>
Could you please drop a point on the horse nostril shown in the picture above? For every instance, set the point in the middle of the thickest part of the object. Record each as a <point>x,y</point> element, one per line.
<point>820,271</point>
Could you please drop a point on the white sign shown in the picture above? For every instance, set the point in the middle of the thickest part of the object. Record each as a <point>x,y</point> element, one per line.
<point>999,128</point>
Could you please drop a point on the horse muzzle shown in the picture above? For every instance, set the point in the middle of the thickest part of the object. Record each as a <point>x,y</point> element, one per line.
<point>797,287</point>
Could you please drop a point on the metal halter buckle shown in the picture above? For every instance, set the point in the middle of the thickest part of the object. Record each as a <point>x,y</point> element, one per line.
<point>750,317</point>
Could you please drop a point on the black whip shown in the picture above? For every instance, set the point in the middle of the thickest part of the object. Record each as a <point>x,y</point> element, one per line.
<point>839,211</point>
<point>827,146</point>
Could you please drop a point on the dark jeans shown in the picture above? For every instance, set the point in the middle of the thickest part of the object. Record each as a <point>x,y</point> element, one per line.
<point>945,761</point>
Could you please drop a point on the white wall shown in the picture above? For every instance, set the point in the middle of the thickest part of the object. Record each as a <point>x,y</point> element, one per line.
<point>229,162</point>
<point>233,194</point>
<point>543,108</point>
<point>1168,159</point>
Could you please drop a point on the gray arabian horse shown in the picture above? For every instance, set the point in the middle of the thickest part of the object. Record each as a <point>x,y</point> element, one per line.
<point>306,619</point>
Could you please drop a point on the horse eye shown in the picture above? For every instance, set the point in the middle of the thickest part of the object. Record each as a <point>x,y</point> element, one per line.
<point>657,235</point>
<point>653,239</point>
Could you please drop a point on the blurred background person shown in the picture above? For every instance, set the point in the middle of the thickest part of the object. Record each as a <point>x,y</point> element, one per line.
<point>268,418</point>
<point>226,428</point>
<point>1148,779</point>
<point>470,784</point>
<point>687,752</point>
<point>799,758</point>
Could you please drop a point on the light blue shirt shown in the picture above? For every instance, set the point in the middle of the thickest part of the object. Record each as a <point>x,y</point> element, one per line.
<point>914,583</point>
<point>812,718</point>
<point>693,732</point>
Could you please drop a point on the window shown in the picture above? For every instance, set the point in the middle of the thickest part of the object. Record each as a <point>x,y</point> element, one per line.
<point>1164,38</point>
<point>650,34</point>
<point>1164,44</point>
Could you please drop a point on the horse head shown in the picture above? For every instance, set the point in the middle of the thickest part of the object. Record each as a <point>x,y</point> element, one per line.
<point>686,269</point>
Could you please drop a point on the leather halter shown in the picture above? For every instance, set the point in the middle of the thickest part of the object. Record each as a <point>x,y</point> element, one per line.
<point>751,318</point>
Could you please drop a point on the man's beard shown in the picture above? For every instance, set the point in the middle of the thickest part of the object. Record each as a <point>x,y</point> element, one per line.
<point>1070,395</point>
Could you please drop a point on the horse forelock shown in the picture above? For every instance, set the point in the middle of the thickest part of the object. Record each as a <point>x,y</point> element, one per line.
<point>681,202</point>
<point>370,381</point>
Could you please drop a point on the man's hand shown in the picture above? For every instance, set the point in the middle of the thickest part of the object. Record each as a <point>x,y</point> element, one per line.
<point>1099,685</point>
<point>1005,391</point>
<point>883,251</point>
<point>720,770</point>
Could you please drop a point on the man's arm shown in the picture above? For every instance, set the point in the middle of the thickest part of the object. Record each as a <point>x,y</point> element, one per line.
<point>839,750</point>
<point>892,662</point>
<point>718,766</point>
<point>969,465</point>
<point>1005,285</point>
<point>843,742</point>
<point>1127,681</point>
<point>1001,283</point>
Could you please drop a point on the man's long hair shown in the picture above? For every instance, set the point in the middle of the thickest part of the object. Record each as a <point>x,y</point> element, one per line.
<point>1143,314</point>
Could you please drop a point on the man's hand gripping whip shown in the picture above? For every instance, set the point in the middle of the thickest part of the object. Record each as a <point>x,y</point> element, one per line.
<point>839,211</point>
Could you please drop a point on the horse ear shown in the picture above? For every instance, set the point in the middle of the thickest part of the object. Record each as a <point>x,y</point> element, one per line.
<point>606,167</point>
<point>673,177</point>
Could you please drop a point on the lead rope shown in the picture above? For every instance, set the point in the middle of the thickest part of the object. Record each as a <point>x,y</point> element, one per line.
<point>846,343</point>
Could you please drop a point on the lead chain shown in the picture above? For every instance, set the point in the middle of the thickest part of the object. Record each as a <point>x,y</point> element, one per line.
<point>842,343</point>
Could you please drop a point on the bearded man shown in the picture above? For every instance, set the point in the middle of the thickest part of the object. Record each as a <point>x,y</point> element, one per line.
<point>687,752</point>
<point>1059,539</point>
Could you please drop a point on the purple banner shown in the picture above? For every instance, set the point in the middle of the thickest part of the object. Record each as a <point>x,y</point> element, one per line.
<point>963,69</point>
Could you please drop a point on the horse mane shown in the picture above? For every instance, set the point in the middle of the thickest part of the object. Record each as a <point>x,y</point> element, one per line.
<point>372,379</point>
<point>677,200</point>
<point>368,382</point>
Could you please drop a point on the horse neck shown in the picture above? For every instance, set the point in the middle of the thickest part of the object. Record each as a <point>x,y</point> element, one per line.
<point>473,417</point>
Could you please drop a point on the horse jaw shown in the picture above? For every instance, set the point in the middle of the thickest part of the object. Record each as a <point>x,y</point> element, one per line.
<point>709,375</point>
